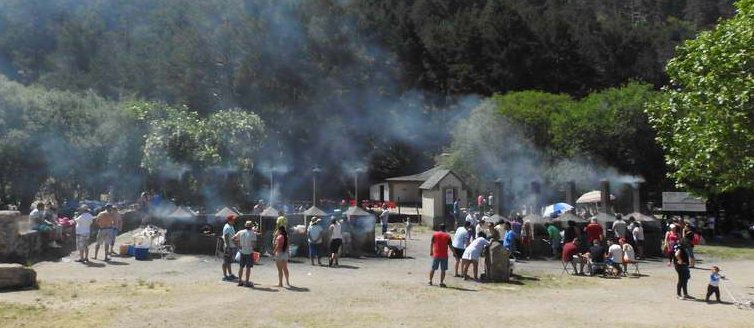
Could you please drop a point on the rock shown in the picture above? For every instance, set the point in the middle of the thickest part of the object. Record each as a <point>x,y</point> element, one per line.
<point>497,263</point>
<point>16,277</point>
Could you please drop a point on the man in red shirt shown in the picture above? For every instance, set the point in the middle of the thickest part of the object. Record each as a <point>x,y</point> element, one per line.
<point>438,250</point>
<point>593,231</point>
<point>571,254</point>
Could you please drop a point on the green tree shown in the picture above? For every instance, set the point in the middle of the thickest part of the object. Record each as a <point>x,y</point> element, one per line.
<point>705,121</point>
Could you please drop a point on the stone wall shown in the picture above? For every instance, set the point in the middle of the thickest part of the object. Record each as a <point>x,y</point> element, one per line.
<point>17,243</point>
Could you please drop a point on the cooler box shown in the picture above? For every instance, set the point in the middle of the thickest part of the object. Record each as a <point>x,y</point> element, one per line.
<point>123,250</point>
<point>141,253</point>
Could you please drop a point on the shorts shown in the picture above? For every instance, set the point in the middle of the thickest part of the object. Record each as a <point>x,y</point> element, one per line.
<point>335,245</point>
<point>82,242</point>
<point>469,256</point>
<point>229,255</point>
<point>115,234</point>
<point>281,256</point>
<point>441,263</point>
<point>247,261</point>
<point>313,250</point>
<point>458,252</point>
<point>690,252</point>
<point>105,236</point>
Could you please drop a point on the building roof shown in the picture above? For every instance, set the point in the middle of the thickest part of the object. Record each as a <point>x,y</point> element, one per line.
<point>421,177</point>
<point>270,212</point>
<point>223,213</point>
<point>429,178</point>
<point>357,211</point>
<point>314,211</point>
<point>181,213</point>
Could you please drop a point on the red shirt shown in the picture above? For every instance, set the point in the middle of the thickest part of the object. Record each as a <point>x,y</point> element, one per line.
<point>440,242</point>
<point>569,250</point>
<point>593,231</point>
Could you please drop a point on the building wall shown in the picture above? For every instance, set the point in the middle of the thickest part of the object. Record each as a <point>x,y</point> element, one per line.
<point>374,192</point>
<point>429,209</point>
<point>405,192</point>
<point>433,201</point>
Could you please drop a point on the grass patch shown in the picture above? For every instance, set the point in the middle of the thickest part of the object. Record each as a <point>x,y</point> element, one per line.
<point>722,252</point>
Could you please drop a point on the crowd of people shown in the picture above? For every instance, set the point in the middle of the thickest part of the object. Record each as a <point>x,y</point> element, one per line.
<point>586,250</point>
<point>239,247</point>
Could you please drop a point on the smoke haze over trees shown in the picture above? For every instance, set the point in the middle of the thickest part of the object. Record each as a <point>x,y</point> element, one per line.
<point>336,84</point>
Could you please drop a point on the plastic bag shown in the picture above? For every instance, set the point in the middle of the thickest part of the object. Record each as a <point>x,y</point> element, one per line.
<point>238,256</point>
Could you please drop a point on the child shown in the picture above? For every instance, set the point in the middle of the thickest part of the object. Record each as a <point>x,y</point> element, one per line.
<point>714,282</point>
<point>408,227</point>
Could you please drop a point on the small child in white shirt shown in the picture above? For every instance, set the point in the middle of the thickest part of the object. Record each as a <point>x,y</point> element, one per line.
<point>714,284</point>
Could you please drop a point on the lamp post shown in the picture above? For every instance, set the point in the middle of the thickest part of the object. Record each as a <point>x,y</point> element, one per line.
<point>315,170</point>
<point>356,185</point>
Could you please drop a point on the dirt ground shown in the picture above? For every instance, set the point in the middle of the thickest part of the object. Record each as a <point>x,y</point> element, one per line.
<point>369,292</point>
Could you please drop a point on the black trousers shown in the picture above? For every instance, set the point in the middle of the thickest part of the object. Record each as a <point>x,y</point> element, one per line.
<point>713,289</point>
<point>683,279</point>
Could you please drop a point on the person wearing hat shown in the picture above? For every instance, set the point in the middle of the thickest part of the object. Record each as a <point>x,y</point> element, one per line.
<point>245,241</point>
<point>229,231</point>
<point>83,229</point>
<point>314,237</point>
<point>106,223</point>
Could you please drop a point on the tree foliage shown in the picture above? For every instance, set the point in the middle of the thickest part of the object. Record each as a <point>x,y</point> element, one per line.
<point>705,121</point>
<point>527,136</point>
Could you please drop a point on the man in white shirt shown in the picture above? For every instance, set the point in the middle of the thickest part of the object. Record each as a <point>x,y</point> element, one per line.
<point>619,227</point>
<point>83,229</point>
<point>230,247</point>
<point>336,241</point>
<point>461,240</point>
<point>314,237</point>
<point>245,241</point>
<point>615,255</point>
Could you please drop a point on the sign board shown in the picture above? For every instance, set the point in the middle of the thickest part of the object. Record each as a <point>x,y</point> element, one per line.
<point>683,202</point>
<point>450,196</point>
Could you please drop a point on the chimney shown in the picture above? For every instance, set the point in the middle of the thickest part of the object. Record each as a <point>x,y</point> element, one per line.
<point>570,191</point>
<point>636,190</point>
<point>498,198</point>
<point>604,195</point>
<point>535,191</point>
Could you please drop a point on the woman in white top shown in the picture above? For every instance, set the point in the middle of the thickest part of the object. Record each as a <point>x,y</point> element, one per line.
<point>628,254</point>
<point>638,233</point>
<point>336,240</point>
<point>472,254</point>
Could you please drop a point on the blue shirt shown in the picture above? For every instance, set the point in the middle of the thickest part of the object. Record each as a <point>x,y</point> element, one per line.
<point>510,236</point>
<point>714,279</point>
<point>461,238</point>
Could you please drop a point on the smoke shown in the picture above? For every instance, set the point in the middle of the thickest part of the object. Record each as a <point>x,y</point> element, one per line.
<point>487,146</point>
<point>342,105</point>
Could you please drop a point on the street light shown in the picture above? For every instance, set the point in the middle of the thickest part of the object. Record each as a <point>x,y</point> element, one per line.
<point>356,184</point>
<point>315,171</point>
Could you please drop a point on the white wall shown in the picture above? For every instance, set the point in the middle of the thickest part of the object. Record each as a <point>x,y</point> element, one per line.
<point>405,192</point>
<point>374,191</point>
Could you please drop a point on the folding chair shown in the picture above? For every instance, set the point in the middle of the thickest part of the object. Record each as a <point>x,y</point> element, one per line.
<point>635,266</point>
<point>567,265</point>
<point>163,248</point>
<point>594,266</point>
<point>219,248</point>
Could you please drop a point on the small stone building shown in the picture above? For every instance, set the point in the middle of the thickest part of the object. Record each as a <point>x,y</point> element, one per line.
<point>433,190</point>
